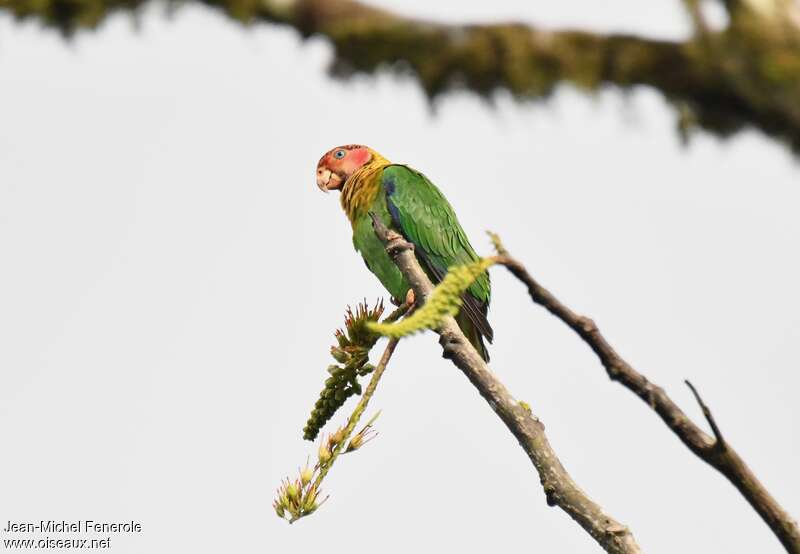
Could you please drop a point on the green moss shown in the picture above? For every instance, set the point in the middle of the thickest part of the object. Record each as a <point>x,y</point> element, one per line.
<point>748,75</point>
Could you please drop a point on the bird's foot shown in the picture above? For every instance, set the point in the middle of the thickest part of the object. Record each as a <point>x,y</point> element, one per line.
<point>393,235</point>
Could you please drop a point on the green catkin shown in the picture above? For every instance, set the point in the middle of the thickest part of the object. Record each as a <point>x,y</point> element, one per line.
<point>444,301</point>
<point>352,351</point>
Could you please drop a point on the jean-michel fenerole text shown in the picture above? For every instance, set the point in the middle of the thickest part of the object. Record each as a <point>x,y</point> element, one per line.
<point>75,526</point>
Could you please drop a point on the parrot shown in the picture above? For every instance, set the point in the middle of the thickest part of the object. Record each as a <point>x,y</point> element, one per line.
<point>408,203</point>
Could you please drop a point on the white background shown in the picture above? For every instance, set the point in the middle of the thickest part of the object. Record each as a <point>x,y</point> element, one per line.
<point>170,278</point>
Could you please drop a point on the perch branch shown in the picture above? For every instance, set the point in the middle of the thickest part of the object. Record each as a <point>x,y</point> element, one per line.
<point>560,490</point>
<point>712,450</point>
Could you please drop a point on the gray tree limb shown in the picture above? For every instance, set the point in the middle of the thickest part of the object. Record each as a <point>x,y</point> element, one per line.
<point>714,450</point>
<point>559,487</point>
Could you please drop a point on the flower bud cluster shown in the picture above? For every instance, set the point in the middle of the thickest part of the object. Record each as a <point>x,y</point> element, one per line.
<point>352,352</point>
<point>297,498</point>
<point>362,437</point>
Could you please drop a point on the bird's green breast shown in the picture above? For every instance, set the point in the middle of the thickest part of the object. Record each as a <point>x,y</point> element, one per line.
<point>373,251</point>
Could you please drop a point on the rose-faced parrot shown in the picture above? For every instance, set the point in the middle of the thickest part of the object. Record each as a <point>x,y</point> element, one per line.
<point>408,203</point>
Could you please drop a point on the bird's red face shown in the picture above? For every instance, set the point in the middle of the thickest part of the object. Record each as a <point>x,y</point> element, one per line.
<point>337,165</point>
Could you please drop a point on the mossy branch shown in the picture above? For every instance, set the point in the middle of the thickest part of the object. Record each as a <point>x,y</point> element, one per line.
<point>746,75</point>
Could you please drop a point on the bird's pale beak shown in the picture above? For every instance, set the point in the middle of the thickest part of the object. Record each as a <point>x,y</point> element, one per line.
<point>327,180</point>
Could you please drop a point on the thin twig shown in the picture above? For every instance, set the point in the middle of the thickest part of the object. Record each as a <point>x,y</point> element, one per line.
<point>720,442</point>
<point>362,403</point>
<point>297,498</point>
<point>399,312</point>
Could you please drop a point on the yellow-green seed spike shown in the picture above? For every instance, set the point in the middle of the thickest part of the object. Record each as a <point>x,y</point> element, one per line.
<point>354,344</point>
<point>445,300</point>
<point>497,243</point>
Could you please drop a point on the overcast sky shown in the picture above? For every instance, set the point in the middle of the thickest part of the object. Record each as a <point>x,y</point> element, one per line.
<point>171,278</point>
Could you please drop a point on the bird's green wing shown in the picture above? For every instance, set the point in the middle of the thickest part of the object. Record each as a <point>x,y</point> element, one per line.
<point>423,215</point>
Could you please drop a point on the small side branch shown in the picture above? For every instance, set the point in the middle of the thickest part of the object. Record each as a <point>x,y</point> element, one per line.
<point>712,450</point>
<point>719,443</point>
<point>298,498</point>
<point>559,487</point>
<point>342,444</point>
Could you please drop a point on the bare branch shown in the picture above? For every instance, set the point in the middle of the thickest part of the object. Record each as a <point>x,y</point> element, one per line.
<point>560,490</point>
<point>720,442</point>
<point>714,451</point>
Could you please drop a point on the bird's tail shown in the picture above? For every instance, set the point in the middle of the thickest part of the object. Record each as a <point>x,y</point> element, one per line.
<point>473,334</point>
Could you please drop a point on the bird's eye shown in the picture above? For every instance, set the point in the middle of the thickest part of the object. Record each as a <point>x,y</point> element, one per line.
<point>339,154</point>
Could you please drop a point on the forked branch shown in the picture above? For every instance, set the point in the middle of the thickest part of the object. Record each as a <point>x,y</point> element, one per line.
<point>715,451</point>
<point>560,489</point>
